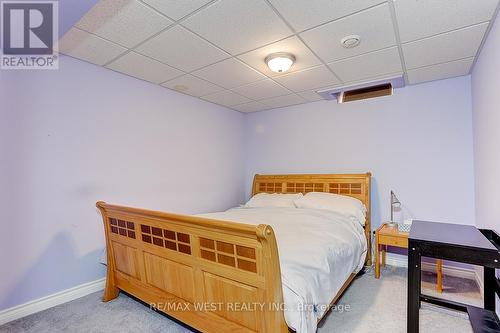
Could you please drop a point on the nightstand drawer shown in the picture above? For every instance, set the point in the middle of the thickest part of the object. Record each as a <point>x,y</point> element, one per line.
<point>393,241</point>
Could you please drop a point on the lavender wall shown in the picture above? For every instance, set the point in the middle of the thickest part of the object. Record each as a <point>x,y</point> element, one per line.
<point>486,120</point>
<point>417,142</point>
<point>71,11</point>
<point>71,137</point>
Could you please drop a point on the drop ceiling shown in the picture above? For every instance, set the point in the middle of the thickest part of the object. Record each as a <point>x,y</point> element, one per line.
<point>215,50</point>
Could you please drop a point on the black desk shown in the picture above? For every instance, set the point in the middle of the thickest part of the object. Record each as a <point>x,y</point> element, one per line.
<point>454,242</point>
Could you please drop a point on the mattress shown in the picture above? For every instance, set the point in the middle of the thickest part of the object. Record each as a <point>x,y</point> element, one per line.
<point>318,251</point>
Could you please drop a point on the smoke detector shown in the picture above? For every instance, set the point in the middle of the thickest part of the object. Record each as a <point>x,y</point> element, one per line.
<point>350,41</point>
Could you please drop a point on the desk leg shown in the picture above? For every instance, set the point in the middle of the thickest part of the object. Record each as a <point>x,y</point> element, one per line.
<point>489,288</point>
<point>414,261</point>
<point>377,257</point>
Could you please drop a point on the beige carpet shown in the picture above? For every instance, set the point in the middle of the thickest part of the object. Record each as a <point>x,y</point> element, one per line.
<point>374,306</point>
<point>380,305</point>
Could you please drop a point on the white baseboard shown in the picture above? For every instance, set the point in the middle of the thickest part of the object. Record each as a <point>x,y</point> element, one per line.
<point>465,273</point>
<point>479,278</point>
<point>396,261</point>
<point>46,302</point>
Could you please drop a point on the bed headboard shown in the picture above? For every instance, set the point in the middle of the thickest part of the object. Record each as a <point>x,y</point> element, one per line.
<point>353,185</point>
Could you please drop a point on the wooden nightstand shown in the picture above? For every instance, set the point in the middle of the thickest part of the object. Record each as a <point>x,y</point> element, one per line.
<point>389,236</point>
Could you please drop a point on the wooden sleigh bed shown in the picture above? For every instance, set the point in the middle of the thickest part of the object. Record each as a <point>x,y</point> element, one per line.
<point>215,276</point>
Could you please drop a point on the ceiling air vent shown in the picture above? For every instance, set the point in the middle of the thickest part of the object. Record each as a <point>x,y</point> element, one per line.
<point>371,89</point>
<point>365,93</point>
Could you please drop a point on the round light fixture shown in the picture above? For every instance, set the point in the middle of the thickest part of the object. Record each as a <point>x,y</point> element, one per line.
<point>350,41</point>
<point>280,62</point>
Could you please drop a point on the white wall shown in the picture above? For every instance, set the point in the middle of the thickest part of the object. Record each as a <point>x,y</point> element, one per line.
<point>84,133</point>
<point>417,142</point>
<point>486,120</point>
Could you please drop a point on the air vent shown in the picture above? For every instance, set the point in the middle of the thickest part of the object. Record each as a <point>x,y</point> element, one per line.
<point>369,89</point>
<point>365,93</point>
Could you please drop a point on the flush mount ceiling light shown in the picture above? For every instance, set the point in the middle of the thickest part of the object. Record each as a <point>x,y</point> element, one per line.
<point>280,62</point>
<point>350,41</point>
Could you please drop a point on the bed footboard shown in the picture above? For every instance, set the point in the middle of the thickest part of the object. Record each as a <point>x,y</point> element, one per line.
<point>215,276</point>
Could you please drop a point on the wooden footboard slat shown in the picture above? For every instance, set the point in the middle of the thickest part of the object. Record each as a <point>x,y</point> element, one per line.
<point>200,320</point>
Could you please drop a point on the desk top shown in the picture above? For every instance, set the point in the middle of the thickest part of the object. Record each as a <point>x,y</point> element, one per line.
<point>448,233</point>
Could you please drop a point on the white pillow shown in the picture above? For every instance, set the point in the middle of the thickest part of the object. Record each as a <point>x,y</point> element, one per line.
<point>273,200</point>
<point>347,206</point>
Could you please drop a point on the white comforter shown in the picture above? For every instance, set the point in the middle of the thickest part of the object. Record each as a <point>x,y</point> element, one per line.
<point>318,250</point>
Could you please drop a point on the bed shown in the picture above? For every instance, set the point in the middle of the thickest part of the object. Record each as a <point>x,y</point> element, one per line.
<point>217,275</point>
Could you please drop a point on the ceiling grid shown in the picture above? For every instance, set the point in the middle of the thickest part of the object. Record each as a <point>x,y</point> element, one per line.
<point>215,50</point>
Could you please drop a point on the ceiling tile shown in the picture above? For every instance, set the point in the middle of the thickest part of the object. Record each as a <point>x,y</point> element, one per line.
<point>262,89</point>
<point>182,49</point>
<point>281,101</point>
<point>250,107</point>
<point>88,47</point>
<point>423,18</point>
<point>144,68</point>
<point>126,22</point>
<point>440,71</point>
<point>304,58</point>
<point>192,85</point>
<point>450,46</point>
<point>310,96</point>
<point>368,65</point>
<point>307,14</point>
<point>238,26</point>
<point>226,98</point>
<point>374,26</point>
<point>176,9</point>
<point>308,79</point>
<point>229,73</point>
